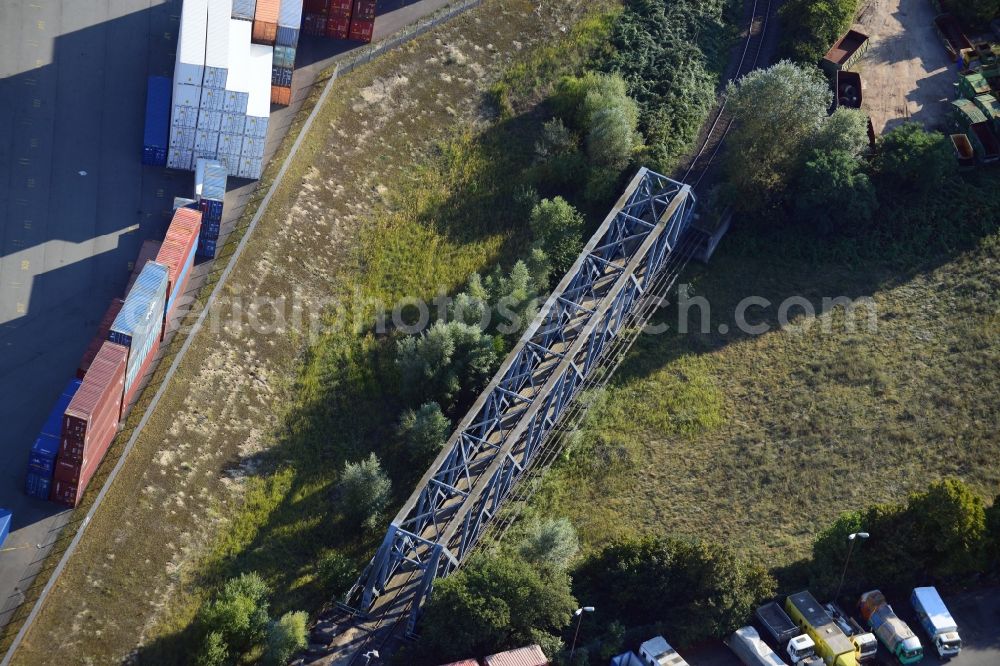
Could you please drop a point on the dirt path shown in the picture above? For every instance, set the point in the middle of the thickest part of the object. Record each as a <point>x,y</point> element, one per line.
<point>906,72</point>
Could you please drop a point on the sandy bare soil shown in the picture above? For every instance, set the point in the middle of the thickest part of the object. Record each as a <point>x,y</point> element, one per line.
<point>906,73</point>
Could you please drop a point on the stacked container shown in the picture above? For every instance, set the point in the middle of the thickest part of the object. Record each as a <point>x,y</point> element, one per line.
<point>102,334</point>
<point>265,22</point>
<point>156,134</point>
<point>244,9</point>
<point>339,19</point>
<point>362,20</point>
<point>287,41</point>
<point>147,252</point>
<point>177,254</point>
<point>189,75</point>
<point>210,189</point>
<point>45,450</point>
<point>139,325</point>
<point>89,424</point>
<point>258,111</point>
<point>216,77</point>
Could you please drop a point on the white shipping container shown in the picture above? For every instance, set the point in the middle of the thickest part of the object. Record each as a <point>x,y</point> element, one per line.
<point>244,9</point>
<point>187,95</point>
<point>255,127</point>
<point>231,163</point>
<point>213,100</point>
<point>290,13</point>
<point>239,55</point>
<point>182,138</point>
<point>189,66</point>
<point>215,78</point>
<point>250,168</point>
<point>235,102</point>
<point>231,144</point>
<point>217,47</point>
<point>179,159</point>
<point>233,123</point>
<point>206,141</point>
<point>183,116</point>
<point>252,147</point>
<point>261,61</point>
<point>210,120</point>
<point>202,155</point>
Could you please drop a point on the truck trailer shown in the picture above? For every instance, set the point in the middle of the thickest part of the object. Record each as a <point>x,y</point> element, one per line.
<point>746,643</point>
<point>832,645</point>
<point>895,635</point>
<point>936,621</point>
<point>800,648</point>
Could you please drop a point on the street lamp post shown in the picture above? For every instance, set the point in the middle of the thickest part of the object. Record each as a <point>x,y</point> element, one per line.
<point>854,536</point>
<point>579,620</point>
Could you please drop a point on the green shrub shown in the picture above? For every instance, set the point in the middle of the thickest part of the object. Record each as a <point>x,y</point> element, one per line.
<point>239,615</point>
<point>976,14</point>
<point>912,158</point>
<point>336,573</point>
<point>214,651</point>
<point>365,491</point>
<point>285,637</point>
<point>424,431</point>
<point>815,25</point>
<point>550,543</point>
<point>558,230</point>
<point>832,191</point>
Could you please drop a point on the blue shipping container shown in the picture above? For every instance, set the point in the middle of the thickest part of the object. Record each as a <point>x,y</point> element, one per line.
<point>37,485</point>
<point>281,76</point>
<point>287,35</point>
<point>244,9</point>
<point>284,56</point>
<point>206,247</point>
<point>211,211</point>
<point>5,519</point>
<point>210,229</point>
<point>42,457</point>
<point>156,136</point>
<point>140,321</point>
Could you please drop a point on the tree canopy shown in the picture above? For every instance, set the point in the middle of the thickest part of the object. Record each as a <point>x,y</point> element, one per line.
<point>912,158</point>
<point>366,491</point>
<point>449,361</point>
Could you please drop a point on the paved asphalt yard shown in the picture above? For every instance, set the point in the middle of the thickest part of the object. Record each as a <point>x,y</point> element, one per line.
<point>76,204</point>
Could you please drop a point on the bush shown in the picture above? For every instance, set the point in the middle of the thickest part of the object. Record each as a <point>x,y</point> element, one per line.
<point>286,637</point>
<point>832,191</point>
<point>845,130</point>
<point>366,491</point>
<point>911,158</point>
<point>239,615</point>
<point>701,590</point>
<point>424,432</point>
<point>550,543</point>
<point>558,231</point>
<point>975,13</point>
<point>494,603</point>
<point>817,27</point>
<point>336,573</point>
<point>214,651</point>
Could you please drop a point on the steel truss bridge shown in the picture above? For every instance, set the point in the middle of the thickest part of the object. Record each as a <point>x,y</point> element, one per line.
<point>599,306</point>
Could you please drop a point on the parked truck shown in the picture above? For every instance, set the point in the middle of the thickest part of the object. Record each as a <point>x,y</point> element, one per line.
<point>746,643</point>
<point>895,635</point>
<point>799,647</point>
<point>936,621</point>
<point>832,645</point>
<point>865,643</point>
<point>657,652</point>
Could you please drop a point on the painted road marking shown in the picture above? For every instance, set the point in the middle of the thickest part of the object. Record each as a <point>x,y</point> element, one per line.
<point>27,224</point>
<point>28,81</point>
<point>21,308</point>
<point>37,103</point>
<point>31,183</point>
<point>33,142</point>
<point>23,161</point>
<point>25,265</point>
<point>41,25</point>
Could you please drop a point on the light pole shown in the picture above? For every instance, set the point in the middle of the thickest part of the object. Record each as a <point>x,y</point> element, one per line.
<point>371,654</point>
<point>579,620</point>
<point>854,536</point>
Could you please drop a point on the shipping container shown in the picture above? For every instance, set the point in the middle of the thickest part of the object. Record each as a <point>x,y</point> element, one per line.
<point>950,30</point>
<point>364,10</point>
<point>287,36</point>
<point>183,116</point>
<point>212,100</point>
<point>265,22</point>
<point>189,66</point>
<point>182,139</point>
<point>102,334</point>
<point>211,229</point>
<point>531,655</point>
<point>314,6</point>
<point>847,51</point>
<point>210,181</point>
<point>156,132</point>
<point>132,391</point>
<point>206,248</point>
<point>42,457</point>
<point>210,121</point>
<point>180,159</point>
<point>281,76</point>
<point>232,123</point>
<point>220,14</point>
<point>206,143</point>
<point>139,325</point>
<point>252,148</point>
<point>314,24</point>
<point>289,21</point>
<point>250,167</point>
<point>340,8</point>
<point>6,517</point>
<point>338,27</point>
<point>183,202</point>
<point>177,254</point>
<point>147,252</point>
<point>37,485</point>
<point>259,99</point>
<point>243,9</point>
<point>256,127</point>
<point>281,95</point>
<point>70,494</point>
<point>284,56</point>
<point>361,31</point>
<point>91,419</point>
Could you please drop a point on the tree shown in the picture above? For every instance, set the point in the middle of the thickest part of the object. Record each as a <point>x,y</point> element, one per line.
<point>779,112</point>
<point>976,13</point>
<point>549,543</point>
<point>495,603</point>
<point>285,637</point>
<point>449,359</point>
<point>558,231</point>
<point>366,491</point>
<point>700,589</point>
<point>833,191</point>
<point>818,25</point>
<point>336,573</point>
<point>515,299</point>
<point>599,106</point>
<point>424,432</point>
<point>912,158</point>
<point>214,651</point>
<point>949,526</point>
<point>472,305</point>
<point>239,615</point>
<point>844,130</point>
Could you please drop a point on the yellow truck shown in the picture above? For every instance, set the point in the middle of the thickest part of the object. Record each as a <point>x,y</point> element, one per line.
<point>832,644</point>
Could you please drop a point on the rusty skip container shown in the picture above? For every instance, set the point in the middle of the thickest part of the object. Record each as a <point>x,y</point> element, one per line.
<point>102,334</point>
<point>265,22</point>
<point>847,51</point>
<point>91,419</point>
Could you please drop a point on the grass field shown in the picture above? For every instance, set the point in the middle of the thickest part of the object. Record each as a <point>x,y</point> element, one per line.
<point>237,467</point>
<point>760,441</point>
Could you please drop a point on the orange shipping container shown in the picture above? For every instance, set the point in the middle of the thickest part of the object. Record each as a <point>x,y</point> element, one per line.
<point>281,95</point>
<point>265,22</point>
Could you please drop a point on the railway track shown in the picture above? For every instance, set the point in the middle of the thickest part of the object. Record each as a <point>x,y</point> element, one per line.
<point>760,17</point>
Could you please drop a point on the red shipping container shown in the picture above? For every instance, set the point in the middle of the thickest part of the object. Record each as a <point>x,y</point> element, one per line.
<point>91,419</point>
<point>177,248</point>
<point>364,10</point>
<point>281,95</point>
<point>102,336</point>
<point>314,7</point>
<point>146,253</point>
<point>339,7</point>
<point>361,31</point>
<point>134,389</point>
<point>68,471</point>
<point>314,24</point>
<point>338,28</point>
<point>69,493</point>
<point>265,22</point>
